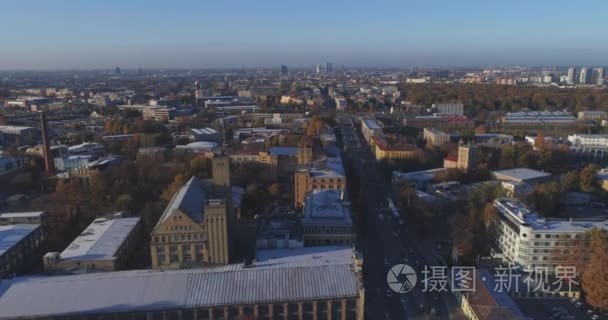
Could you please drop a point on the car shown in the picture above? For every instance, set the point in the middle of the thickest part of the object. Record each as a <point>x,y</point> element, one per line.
<point>589,312</point>
<point>385,261</point>
<point>595,317</point>
<point>578,304</point>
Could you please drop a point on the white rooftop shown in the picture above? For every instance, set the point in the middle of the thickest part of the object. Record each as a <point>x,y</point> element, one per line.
<point>100,240</point>
<point>31,214</point>
<point>325,206</point>
<point>523,173</point>
<point>521,214</point>
<point>11,235</point>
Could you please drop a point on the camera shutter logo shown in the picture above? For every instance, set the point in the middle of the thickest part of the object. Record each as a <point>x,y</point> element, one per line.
<point>401,278</point>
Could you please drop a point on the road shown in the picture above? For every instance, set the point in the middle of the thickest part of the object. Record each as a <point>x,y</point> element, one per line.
<point>386,242</point>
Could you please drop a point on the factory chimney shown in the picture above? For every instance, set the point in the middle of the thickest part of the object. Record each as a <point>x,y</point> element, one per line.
<point>48,157</point>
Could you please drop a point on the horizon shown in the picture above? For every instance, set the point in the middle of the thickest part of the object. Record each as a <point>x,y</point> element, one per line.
<point>188,34</point>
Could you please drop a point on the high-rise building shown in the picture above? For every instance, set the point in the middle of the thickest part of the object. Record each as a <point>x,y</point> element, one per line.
<point>284,70</point>
<point>318,68</point>
<point>197,90</point>
<point>571,75</point>
<point>329,67</point>
<point>467,159</point>
<point>600,76</point>
<point>117,71</point>
<point>585,76</point>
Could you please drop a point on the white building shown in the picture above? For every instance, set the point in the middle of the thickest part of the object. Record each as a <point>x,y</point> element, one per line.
<point>369,127</point>
<point>589,140</point>
<point>526,239</point>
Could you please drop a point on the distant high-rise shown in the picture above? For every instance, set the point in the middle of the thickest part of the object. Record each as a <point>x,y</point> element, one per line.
<point>600,76</point>
<point>284,70</point>
<point>117,71</point>
<point>571,75</point>
<point>585,76</point>
<point>318,68</point>
<point>197,90</point>
<point>139,72</point>
<point>329,67</point>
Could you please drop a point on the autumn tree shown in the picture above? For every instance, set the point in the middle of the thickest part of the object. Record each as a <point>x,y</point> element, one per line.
<point>275,190</point>
<point>588,178</point>
<point>461,232</point>
<point>546,198</point>
<point>594,279</point>
<point>570,181</point>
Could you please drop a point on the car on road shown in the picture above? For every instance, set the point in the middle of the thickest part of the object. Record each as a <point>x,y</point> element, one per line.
<point>385,261</point>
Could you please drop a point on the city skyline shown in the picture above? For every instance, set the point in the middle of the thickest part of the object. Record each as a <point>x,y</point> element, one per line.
<point>188,34</point>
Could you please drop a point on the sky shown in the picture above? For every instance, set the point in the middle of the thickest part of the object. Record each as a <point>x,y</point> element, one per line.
<point>103,34</point>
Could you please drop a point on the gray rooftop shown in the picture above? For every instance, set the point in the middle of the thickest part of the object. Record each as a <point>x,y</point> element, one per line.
<point>12,234</point>
<point>284,151</point>
<point>100,240</point>
<point>325,207</point>
<point>189,199</point>
<point>324,274</point>
<point>522,173</point>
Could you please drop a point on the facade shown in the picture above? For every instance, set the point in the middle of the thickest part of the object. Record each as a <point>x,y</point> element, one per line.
<point>449,108</point>
<point>600,76</point>
<point>19,247</point>
<point>327,219</point>
<point>304,283</point>
<point>33,217</point>
<point>435,137</point>
<point>324,174</point>
<point>105,245</point>
<point>195,227</point>
<point>467,157</point>
<point>18,135</point>
<point>525,238</point>
<point>67,163</point>
<point>204,134</point>
<point>269,160</point>
<point>385,149</point>
<point>589,140</point>
<point>369,127</point>
<point>441,121</point>
<point>535,119</point>
<point>592,115</point>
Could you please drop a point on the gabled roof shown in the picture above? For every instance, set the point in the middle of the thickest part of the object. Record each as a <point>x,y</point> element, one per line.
<point>189,200</point>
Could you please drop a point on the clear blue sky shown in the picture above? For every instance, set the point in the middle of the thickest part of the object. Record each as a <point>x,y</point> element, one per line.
<point>189,34</point>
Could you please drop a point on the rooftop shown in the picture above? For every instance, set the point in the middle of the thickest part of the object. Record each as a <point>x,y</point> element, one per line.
<point>328,167</point>
<point>326,206</point>
<point>523,173</point>
<point>315,273</point>
<point>12,234</point>
<point>204,131</point>
<point>284,151</point>
<point>189,199</point>
<point>519,213</point>
<point>100,240</point>
<point>30,214</point>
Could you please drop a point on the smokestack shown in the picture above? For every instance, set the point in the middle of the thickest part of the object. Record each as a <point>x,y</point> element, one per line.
<point>48,159</point>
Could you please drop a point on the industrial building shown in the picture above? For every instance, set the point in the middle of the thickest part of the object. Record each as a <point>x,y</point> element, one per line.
<point>105,245</point>
<point>304,283</point>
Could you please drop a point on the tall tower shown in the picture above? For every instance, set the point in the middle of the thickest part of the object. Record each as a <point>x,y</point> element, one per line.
<point>571,75</point>
<point>304,154</point>
<point>220,170</point>
<point>600,76</point>
<point>48,157</point>
<point>584,76</point>
<point>217,222</point>
<point>197,91</point>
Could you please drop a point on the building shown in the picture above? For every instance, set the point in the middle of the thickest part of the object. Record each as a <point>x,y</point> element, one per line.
<point>324,174</point>
<point>305,283</point>
<point>199,146</point>
<point>269,160</point>
<point>589,140</point>
<point>449,108</point>
<point>416,179</point>
<point>536,119</point>
<point>329,68</point>
<point>87,148</point>
<point>105,245</point>
<point>327,219</point>
<point>571,75</point>
<point>585,76</point>
<point>341,103</point>
<point>67,163</point>
<point>33,217</point>
<point>19,247</point>
<point>435,137</point>
<point>485,302</point>
<point>204,134</point>
<point>369,127</point>
<point>526,239</point>
<point>195,227</point>
<point>530,176</point>
<point>600,76</point>
<point>447,122</point>
<point>388,148</point>
<point>592,115</point>
<point>284,70</point>
<point>9,166</point>
<point>18,136</point>
<point>467,157</point>
<point>450,161</point>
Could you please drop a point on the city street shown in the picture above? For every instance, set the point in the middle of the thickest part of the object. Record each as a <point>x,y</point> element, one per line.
<point>386,243</point>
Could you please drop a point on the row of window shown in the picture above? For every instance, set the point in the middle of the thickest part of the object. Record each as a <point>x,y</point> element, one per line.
<point>179,237</point>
